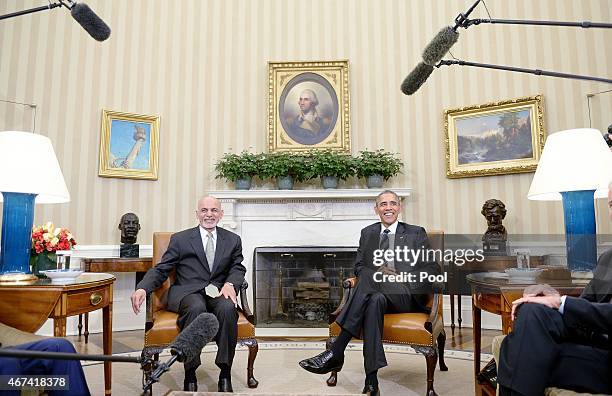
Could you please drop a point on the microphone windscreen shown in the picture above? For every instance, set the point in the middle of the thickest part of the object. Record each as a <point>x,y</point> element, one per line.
<point>90,21</point>
<point>195,336</point>
<point>416,78</point>
<point>439,46</point>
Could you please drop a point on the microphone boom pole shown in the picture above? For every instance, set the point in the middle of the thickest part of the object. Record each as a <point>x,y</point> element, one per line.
<point>584,24</point>
<point>537,72</point>
<point>31,10</point>
<point>24,354</point>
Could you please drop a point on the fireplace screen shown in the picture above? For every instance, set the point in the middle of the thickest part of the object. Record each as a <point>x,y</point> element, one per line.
<point>299,286</point>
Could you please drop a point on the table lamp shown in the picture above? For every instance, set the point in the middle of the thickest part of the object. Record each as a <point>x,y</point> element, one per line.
<point>575,167</point>
<point>30,174</point>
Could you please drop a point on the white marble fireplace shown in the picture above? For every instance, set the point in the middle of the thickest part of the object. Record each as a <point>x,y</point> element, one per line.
<point>294,218</point>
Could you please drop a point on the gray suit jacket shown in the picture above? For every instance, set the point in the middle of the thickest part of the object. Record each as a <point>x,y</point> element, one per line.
<point>186,255</point>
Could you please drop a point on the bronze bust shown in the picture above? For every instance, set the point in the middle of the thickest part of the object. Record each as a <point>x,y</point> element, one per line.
<point>494,239</point>
<point>129,226</point>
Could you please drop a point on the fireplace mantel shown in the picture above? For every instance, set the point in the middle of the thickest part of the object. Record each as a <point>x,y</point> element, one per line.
<point>284,195</point>
<point>311,204</point>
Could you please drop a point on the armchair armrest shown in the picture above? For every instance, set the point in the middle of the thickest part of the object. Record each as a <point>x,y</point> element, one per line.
<point>347,285</point>
<point>244,303</point>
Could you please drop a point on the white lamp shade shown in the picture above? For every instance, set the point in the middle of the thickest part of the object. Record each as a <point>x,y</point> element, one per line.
<point>572,160</point>
<point>28,165</point>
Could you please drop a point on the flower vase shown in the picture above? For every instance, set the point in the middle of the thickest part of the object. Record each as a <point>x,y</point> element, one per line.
<point>42,262</point>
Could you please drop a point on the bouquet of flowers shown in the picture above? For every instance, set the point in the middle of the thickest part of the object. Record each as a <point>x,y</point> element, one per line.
<point>46,240</point>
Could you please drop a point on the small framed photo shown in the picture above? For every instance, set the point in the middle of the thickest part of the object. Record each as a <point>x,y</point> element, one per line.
<point>308,106</point>
<point>494,138</point>
<point>129,145</point>
<point>522,258</point>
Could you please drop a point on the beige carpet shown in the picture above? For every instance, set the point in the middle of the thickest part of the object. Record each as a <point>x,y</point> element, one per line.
<point>277,371</point>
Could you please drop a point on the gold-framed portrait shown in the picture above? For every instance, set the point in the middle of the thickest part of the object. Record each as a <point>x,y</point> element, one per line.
<point>129,145</point>
<point>494,138</point>
<point>308,106</point>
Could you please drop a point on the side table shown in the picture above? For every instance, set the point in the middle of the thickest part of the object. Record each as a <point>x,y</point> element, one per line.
<point>457,284</point>
<point>115,264</point>
<point>27,305</point>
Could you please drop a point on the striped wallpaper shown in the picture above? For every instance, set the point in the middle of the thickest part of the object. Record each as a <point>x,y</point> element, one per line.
<point>202,67</point>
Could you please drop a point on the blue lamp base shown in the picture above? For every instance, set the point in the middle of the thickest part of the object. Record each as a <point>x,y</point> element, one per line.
<point>580,229</point>
<point>17,220</point>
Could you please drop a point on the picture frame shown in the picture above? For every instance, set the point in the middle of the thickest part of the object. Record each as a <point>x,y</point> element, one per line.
<point>496,138</point>
<point>308,106</point>
<point>129,145</point>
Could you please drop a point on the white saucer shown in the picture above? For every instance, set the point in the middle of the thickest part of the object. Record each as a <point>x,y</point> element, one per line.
<point>62,275</point>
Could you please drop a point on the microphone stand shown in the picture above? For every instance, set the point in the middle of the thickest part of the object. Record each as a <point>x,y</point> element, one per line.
<point>537,72</point>
<point>157,373</point>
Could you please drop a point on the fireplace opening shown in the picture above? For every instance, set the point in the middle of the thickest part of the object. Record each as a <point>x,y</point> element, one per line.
<point>299,286</point>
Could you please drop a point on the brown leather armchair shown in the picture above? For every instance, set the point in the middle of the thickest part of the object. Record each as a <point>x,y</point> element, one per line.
<point>161,327</point>
<point>423,332</point>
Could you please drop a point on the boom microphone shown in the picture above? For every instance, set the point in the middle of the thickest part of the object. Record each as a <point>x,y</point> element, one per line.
<point>432,55</point>
<point>188,344</point>
<point>416,78</point>
<point>440,45</point>
<point>90,21</point>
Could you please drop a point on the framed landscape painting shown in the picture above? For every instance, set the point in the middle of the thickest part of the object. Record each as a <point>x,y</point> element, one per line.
<point>308,106</point>
<point>129,145</point>
<point>494,138</point>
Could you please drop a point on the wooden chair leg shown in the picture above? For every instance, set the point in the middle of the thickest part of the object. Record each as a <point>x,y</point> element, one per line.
<point>431,357</point>
<point>431,368</point>
<point>333,379</point>
<point>441,342</point>
<point>251,343</point>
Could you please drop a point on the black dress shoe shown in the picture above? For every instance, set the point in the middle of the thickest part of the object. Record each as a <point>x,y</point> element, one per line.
<point>190,386</point>
<point>371,390</point>
<point>323,363</point>
<point>225,385</point>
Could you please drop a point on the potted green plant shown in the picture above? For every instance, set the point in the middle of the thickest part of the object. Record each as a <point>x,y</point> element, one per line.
<point>238,168</point>
<point>286,168</point>
<point>376,166</point>
<point>331,166</point>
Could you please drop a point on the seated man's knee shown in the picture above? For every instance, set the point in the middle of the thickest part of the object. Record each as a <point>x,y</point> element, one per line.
<point>378,299</point>
<point>226,309</point>
<point>532,312</point>
<point>56,345</point>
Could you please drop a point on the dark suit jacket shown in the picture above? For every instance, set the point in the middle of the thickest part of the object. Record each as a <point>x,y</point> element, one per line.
<point>411,236</point>
<point>590,316</point>
<point>186,254</point>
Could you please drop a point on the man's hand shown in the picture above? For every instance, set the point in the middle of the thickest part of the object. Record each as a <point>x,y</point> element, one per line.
<point>137,299</point>
<point>552,301</point>
<point>228,291</point>
<point>539,290</point>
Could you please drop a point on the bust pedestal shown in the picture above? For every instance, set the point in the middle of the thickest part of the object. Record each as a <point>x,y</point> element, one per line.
<point>129,251</point>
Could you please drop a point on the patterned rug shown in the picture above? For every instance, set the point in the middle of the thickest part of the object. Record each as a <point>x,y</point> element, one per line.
<point>277,370</point>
